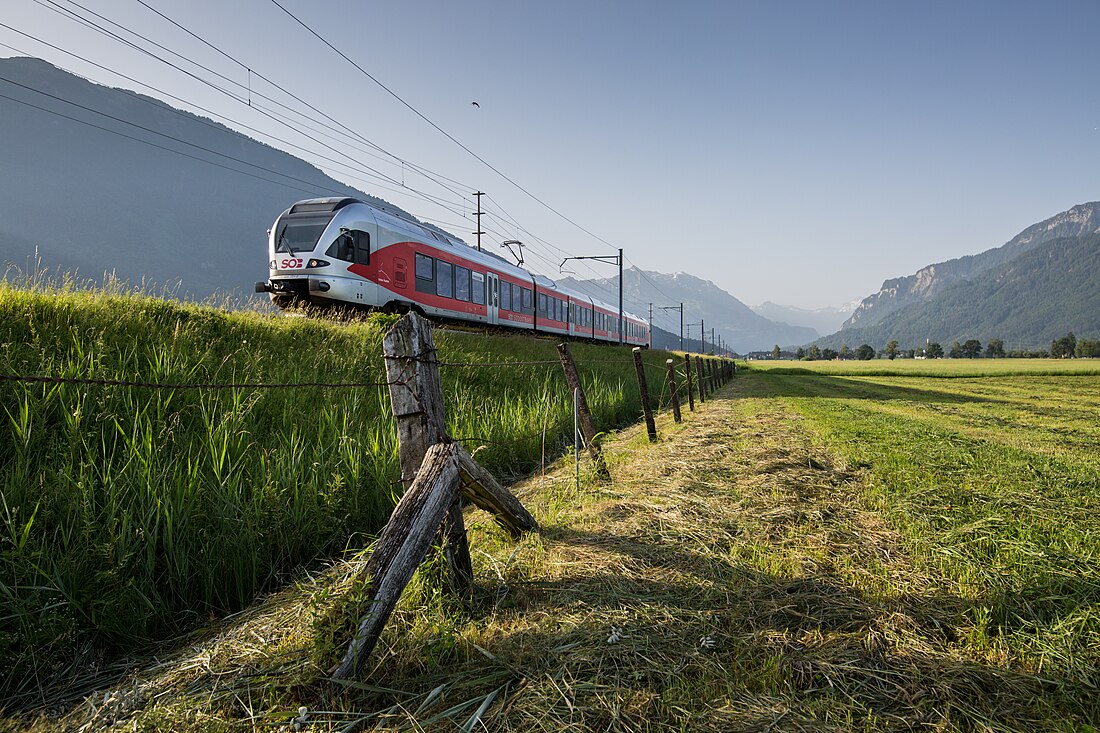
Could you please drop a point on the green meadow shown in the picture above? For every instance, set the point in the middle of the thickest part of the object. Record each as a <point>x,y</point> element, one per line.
<point>992,477</point>
<point>131,514</point>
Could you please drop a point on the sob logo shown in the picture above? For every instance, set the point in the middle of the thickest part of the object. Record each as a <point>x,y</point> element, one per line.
<point>291,263</point>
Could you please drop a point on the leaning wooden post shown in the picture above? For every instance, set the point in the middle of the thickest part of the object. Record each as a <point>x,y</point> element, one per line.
<point>713,376</point>
<point>702,382</point>
<point>588,428</point>
<point>672,391</point>
<point>650,427</point>
<point>417,398</point>
<point>687,375</point>
<point>402,547</point>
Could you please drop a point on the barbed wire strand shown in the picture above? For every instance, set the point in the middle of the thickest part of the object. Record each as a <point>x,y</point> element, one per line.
<point>41,379</point>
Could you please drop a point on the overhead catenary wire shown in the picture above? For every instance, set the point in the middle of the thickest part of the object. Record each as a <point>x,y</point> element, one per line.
<point>402,189</point>
<point>66,12</point>
<point>419,114</point>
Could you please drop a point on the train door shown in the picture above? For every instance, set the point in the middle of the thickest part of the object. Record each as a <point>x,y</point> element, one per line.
<point>492,298</point>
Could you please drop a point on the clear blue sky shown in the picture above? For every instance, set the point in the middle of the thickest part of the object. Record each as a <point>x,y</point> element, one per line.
<point>799,152</point>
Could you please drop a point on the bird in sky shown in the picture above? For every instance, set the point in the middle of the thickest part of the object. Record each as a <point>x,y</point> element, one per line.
<point>476,104</point>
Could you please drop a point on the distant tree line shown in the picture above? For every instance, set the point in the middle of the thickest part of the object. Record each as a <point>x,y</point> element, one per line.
<point>1067,347</point>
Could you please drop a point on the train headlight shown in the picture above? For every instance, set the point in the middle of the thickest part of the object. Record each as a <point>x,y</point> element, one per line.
<point>271,265</point>
<point>318,263</point>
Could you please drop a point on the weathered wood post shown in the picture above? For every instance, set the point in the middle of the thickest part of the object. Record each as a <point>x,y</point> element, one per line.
<point>431,505</point>
<point>687,375</point>
<point>651,428</point>
<point>588,428</point>
<point>702,382</point>
<point>672,390</point>
<point>416,394</point>
<point>402,547</point>
<point>713,373</point>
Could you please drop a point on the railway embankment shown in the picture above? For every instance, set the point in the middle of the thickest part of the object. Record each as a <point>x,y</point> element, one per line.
<point>161,463</point>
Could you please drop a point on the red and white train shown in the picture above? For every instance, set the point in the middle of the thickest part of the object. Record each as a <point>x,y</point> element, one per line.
<point>334,251</point>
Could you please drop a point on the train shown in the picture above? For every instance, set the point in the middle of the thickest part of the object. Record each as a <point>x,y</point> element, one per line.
<point>346,252</point>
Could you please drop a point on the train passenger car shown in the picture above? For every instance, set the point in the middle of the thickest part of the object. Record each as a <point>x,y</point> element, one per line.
<point>344,251</point>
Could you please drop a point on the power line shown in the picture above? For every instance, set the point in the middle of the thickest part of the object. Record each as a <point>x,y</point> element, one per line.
<point>70,14</point>
<point>99,28</point>
<point>419,114</point>
<point>152,144</point>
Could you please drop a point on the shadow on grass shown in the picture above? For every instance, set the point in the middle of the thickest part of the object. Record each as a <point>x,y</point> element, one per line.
<point>813,384</point>
<point>825,648</point>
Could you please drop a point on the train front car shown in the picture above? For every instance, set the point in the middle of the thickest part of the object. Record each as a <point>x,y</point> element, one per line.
<point>319,253</point>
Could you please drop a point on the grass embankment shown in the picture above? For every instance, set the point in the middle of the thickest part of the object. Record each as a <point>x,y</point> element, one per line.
<point>128,514</point>
<point>808,553</point>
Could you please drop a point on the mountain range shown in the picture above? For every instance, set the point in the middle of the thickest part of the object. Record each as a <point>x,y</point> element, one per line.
<point>98,180</point>
<point>1039,285</point>
<point>742,330</point>
<point>107,180</point>
<point>823,320</point>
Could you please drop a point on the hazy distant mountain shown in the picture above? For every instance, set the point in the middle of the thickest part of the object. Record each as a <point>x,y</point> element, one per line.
<point>928,281</point>
<point>742,329</point>
<point>93,201</point>
<point>822,320</point>
<point>1040,295</point>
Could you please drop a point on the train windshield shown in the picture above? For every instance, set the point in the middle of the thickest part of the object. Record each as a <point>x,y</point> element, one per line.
<point>300,235</point>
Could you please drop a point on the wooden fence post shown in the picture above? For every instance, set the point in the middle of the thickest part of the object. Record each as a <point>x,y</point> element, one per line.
<point>431,505</point>
<point>651,428</point>
<point>417,398</point>
<point>672,391</point>
<point>687,375</point>
<point>713,376</point>
<point>588,428</point>
<point>702,382</point>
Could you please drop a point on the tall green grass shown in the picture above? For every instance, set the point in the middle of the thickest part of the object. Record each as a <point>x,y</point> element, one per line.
<point>127,514</point>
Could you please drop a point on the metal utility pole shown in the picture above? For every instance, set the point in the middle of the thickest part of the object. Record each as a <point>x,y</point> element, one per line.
<point>702,335</point>
<point>712,342</point>
<point>675,308</point>
<point>651,325</point>
<point>478,214</point>
<point>611,260</point>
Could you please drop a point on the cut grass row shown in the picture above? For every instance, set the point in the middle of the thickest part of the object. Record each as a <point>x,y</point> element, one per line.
<point>994,483</point>
<point>132,513</point>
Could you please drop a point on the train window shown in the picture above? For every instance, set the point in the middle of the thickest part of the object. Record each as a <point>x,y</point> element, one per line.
<point>528,299</point>
<point>425,267</point>
<point>362,248</point>
<point>425,273</point>
<point>560,309</point>
<point>300,235</point>
<point>542,303</point>
<point>462,283</point>
<point>444,281</point>
<point>342,248</point>
<point>505,296</point>
<point>477,288</point>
